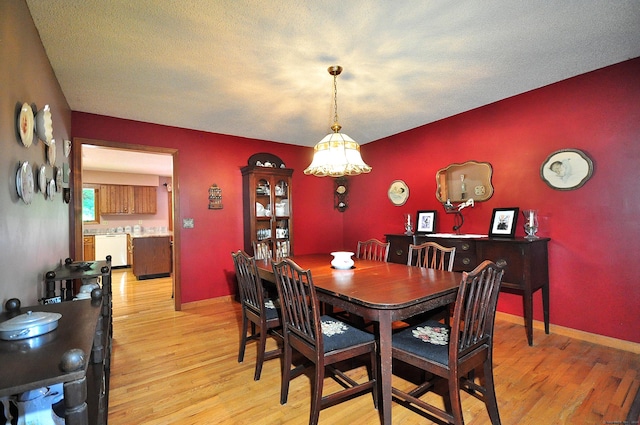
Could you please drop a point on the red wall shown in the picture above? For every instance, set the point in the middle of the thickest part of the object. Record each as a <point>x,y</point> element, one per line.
<point>594,262</point>
<point>204,159</point>
<point>591,262</point>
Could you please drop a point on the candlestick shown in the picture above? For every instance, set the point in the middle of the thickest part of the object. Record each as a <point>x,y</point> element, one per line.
<point>531,223</point>
<point>531,218</point>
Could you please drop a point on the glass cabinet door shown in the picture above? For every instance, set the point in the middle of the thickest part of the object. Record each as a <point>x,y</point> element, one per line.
<point>263,209</point>
<point>282,209</point>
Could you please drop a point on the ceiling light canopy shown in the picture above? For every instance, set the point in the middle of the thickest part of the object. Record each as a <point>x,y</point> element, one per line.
<point>337,154</point>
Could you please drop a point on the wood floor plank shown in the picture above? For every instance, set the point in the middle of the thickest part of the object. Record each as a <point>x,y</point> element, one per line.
<point>181,367</point>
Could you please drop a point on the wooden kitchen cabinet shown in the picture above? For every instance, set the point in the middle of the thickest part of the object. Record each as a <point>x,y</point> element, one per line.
<point>126,199</point>
<point>152,257</point>
<point>116,199</point>
<point>145,199</point>
<point>267,206</point>
<point>89,248</point>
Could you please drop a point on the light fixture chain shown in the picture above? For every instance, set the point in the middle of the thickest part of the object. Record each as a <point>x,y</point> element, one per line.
<point>335,99</point>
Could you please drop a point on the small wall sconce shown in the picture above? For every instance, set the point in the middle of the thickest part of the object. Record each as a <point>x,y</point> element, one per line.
<point>215,197</point>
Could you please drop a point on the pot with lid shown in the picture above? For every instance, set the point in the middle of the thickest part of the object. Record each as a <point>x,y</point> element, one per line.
<point>29,324</point>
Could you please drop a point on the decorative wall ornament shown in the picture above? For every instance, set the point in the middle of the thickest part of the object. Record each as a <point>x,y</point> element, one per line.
<point>340,194</point>
<point>398,192</point>
<point>566,169</point>
<point>215,197</point>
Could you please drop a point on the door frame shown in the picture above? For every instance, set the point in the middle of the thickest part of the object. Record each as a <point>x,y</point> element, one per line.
<point>75,213</point>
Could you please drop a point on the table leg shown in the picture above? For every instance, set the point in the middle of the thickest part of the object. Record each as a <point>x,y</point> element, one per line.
<point>384,350</point>
<point>545,307</point>
<point>527,300</point>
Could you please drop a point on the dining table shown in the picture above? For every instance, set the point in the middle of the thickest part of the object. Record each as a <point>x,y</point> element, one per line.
<point>377,291</point>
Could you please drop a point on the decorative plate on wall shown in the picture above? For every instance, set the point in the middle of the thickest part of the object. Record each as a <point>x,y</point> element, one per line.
<point>566,169</point>
<point>398,192</point>
<point>25,124</point>
<point>51,152</point>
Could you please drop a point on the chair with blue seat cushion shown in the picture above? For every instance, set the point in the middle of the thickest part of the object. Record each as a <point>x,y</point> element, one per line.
<point>453,353</point>
<point>322,339</point>
<point>258,310</point>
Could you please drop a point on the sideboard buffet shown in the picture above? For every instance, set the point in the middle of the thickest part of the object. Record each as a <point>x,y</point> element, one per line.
<point>76,354</point>
<point>525,262</point>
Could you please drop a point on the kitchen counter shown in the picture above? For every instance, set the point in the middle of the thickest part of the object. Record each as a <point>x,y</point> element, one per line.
<point>152,256</point>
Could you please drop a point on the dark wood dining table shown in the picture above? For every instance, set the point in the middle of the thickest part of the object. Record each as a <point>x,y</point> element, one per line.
<point>377,291</point>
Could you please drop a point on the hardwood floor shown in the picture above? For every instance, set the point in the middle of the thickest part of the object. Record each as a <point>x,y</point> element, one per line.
<point>181,367</point>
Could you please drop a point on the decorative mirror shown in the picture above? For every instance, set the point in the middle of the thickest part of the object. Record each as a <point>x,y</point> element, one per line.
<point>462,182</point>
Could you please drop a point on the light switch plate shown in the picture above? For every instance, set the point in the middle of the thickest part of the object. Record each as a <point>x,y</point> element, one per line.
<point>187,223</point>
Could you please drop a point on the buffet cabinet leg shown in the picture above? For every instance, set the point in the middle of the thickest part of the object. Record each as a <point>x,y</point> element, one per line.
<point>75,406</point>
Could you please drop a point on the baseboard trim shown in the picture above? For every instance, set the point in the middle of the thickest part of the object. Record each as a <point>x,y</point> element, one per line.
<point>210,301</point>
<point>607,341</point>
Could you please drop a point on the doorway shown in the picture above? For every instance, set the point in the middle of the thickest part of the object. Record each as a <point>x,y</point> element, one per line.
<point>136,152</point>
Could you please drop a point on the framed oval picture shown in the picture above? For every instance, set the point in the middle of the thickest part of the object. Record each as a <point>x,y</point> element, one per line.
<point>398,192</point>
<point>566,169</point>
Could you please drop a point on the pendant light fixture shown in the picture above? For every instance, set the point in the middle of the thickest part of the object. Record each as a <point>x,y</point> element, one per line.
<point>337,154</point>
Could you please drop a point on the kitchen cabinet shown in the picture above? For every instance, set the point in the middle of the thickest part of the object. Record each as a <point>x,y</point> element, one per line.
<point>125,199</point>
<point>152,257</point>
<point>116,199</point>
<point>145,199</point>
<point>267,206</point>
<point>89,248</point>
<point>525,263</point>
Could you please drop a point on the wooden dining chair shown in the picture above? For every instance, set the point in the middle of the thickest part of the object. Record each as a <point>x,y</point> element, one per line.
<point>261,312</point>
<point>431,255</point>
<point>373,249</point>
<point>262,249</point>
<point>454,352</point>
<point>323,340</point>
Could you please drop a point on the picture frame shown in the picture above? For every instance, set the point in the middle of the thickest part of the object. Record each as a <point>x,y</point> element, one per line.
<point>503,222</point>
<point>426,221</point>
<point>566,169</point>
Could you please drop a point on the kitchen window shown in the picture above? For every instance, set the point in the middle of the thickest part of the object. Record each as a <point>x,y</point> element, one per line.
<point>90,205</point>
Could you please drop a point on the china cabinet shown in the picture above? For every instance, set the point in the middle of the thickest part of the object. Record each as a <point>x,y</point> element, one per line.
<point>267,206</point>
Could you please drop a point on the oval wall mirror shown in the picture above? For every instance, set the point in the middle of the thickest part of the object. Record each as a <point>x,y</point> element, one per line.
<point>461,182</point>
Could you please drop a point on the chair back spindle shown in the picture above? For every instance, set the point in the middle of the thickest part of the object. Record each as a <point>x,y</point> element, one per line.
<point>431,255</point>
<point>373,249</point>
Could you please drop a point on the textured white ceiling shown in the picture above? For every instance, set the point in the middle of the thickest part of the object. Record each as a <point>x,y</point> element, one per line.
<point>258,68</point>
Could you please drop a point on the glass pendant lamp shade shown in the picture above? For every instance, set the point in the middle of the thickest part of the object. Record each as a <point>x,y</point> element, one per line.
<point>337,154</point>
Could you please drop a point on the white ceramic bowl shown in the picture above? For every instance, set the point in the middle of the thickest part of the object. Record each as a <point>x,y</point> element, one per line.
<point>342,260</point>
<point>44,125</point>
